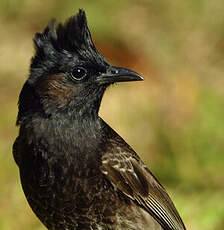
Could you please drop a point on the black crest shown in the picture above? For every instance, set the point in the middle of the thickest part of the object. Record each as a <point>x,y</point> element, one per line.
<point>72,36</point>
<point>63,41</point>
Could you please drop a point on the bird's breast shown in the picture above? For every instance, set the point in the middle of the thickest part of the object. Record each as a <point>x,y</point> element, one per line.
<point>60,172</point>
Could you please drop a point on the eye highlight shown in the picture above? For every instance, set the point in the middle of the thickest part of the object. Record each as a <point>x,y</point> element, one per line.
<point>78,73</point>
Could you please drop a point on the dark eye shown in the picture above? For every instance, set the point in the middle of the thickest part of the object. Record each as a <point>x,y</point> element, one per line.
<point>79,73</point>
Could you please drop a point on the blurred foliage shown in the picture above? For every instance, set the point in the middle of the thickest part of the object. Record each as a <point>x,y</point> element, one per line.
<point>174,119</point>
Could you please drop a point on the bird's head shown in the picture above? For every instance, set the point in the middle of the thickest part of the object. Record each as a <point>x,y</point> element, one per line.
<point>67,72</point>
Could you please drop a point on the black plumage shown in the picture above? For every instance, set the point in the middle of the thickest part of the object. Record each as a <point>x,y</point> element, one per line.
<point>76,172</point>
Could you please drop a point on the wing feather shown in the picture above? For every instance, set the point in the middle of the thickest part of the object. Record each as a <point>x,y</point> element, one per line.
<point>127,173</point>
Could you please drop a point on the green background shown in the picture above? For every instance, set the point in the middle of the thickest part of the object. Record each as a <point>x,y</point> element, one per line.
<point>174,119</point>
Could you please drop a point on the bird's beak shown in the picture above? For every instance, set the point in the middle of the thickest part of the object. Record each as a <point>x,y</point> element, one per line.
<point>118,74</point>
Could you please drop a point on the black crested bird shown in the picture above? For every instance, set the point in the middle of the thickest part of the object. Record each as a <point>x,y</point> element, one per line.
<point>77,173</point>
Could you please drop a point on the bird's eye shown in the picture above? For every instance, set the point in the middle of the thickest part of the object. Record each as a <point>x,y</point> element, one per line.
<point>79,73</point>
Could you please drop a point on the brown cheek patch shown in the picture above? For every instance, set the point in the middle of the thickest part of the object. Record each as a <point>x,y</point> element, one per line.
<point>55,88</point>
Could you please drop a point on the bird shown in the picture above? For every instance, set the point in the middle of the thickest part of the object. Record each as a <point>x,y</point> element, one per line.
<point>76,172</point>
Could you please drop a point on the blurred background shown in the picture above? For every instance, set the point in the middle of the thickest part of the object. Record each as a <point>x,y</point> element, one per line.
<point>174,119</point>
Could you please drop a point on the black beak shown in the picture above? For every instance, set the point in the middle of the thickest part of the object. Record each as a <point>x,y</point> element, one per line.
<point>118,74</point>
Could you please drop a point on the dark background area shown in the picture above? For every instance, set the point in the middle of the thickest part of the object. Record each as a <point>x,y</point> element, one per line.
<point>174,119</point>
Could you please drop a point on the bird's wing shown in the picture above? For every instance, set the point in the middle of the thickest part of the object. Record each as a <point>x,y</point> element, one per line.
<point>126,172</point>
